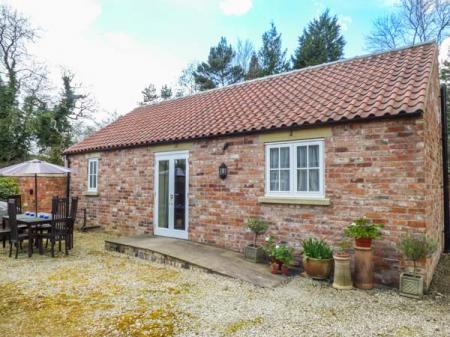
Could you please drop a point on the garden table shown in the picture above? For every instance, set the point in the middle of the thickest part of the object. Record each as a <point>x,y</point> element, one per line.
<point>33,224</point>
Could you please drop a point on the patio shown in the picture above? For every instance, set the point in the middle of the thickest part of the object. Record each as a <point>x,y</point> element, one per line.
<point>93,292</point>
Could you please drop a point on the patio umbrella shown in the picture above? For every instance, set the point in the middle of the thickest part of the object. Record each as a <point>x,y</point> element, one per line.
<point>35,167</point>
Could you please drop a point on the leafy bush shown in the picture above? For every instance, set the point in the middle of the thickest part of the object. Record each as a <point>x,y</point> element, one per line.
<point>317,249</point>
<point>258,227</point>
<point>8,187</point>
<point>278,251</point>
<point>416,247</point>
<point>362,228</point>
<point>284,254</point>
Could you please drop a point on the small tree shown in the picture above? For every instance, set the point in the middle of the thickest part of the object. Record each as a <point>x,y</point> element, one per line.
<point>8,187</point>
<point>258,227</point>
<point>415,248</point>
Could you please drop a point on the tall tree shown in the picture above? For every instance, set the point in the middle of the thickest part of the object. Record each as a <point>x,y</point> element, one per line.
<point>219,70</point>
<point>412,22</point>
<point>15,36</point>
<point>272,56</point>
<point>243,54</point>
<point>186,81</point>
<point>254,68</point>
<point>166,92</point>
<point>54,125</point>
<point>149,95</point>
<point>320,42</point>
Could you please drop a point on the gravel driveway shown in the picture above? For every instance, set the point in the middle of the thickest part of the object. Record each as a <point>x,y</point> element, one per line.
<point>97,293</point>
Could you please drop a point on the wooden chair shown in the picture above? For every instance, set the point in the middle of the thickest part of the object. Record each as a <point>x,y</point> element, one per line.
<point>15,236</point>
<point>60,224</point>
<point>18,200</point>
<point>72,219</point>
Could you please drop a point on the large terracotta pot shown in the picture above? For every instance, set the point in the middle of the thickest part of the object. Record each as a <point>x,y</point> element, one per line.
<point>363,242</point>
<point>316,268</point>
<point>363,268</point>
<point>342,273</point>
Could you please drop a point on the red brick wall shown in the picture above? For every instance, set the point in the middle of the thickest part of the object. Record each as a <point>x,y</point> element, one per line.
<point>375,169</point>
<point>434,197</point>
<point>48,186</point>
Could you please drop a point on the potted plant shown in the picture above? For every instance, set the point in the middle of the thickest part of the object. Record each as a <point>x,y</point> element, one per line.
<point>254,252</point>
<point>342,273</point>
<point>363,232</point>
<point>317,258</point>
<point>414,248</point>
<point>280,254</point>
<point>285,255</point>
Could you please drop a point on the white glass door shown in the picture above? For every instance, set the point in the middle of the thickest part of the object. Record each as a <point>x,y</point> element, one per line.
<point>171,194</point>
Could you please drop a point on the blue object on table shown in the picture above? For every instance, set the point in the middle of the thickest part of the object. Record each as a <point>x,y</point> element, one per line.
<point>27,213</point>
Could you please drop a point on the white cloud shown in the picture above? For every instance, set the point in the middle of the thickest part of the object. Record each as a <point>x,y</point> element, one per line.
<point>344,21</point>
<point>235,7</point>
<point>114,66</point>
<point>444,50</point>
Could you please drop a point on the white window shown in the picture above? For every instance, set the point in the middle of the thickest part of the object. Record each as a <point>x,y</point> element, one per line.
<point>92,174</point>
<point>295,169</point>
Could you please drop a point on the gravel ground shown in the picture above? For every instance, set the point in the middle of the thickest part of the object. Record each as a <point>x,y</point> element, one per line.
<point>97,293</point>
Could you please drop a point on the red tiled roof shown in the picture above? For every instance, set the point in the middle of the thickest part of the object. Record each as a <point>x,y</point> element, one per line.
<point>377,85</point>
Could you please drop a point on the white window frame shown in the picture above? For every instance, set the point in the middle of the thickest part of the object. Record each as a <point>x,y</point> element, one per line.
<point>293,169</point>
<point>89,174</point>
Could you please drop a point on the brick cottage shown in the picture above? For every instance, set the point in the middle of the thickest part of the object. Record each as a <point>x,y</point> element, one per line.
<point>308,150</point>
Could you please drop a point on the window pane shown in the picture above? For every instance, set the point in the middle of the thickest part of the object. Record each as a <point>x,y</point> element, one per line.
<point>301,180</point>
<point>284,180</point>
<point>274,180</point>
<point>180,194</point>
<point>274,158</point>
<point>314,180</point>
<point>163,194</point>
<point>314,156</point>
<point>301,156</point>
<point>90,181</point>
<point>284,157</point>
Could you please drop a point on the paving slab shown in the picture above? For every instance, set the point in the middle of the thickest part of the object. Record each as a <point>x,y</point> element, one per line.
<point>212,259</point>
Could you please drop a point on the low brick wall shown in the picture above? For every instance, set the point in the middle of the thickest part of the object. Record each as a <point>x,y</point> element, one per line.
<point>48,186</point>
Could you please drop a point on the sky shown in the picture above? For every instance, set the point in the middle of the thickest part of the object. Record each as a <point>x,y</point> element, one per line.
<point>117,47</point>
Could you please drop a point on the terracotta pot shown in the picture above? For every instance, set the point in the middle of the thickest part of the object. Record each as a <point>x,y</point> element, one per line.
<point>275,267</point>
<point>316,268</point>
<point>342,274</point>
<point>363,268</point>
<point>363,242</point>
<point>285,270</point>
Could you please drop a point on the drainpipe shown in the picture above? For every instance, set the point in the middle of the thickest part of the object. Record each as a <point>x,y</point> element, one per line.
<point>68,177</point>
<point>445,167</point>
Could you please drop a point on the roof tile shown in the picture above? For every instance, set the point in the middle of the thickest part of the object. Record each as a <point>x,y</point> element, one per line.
<point>390,83</point>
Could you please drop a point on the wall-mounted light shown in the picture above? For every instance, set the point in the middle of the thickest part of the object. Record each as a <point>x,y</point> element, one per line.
<point>223,171</point>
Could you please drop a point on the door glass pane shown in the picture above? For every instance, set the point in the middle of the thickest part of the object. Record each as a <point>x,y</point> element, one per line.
<point>314,180</point>
<point>301,180</point>
<point>180,194</point>
<point>163,194</point>
<point>284,180</point>
<point>273,158</point>
<point>284,157</point>
<point>274,180</point>
<point>301,156</point>
<point>314,156</point>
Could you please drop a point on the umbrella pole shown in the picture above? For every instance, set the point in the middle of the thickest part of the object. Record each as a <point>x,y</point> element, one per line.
<point>35,194</point>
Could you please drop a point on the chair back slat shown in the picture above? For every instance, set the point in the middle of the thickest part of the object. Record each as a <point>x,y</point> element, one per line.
<point>12,220</point>
<point>18,200</point>
<point>73,209</point>
<point>60,211</point>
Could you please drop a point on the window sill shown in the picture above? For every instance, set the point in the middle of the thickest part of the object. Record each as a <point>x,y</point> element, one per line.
<point>294,201</point>
<point>91,194</point>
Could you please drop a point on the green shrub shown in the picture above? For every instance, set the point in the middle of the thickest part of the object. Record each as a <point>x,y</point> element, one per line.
<point>362,228</point>
<point>8,187</point>
<point>416,247</point>
<point>257,226</point>
<point>317,249</point>
<point>283,253</point>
